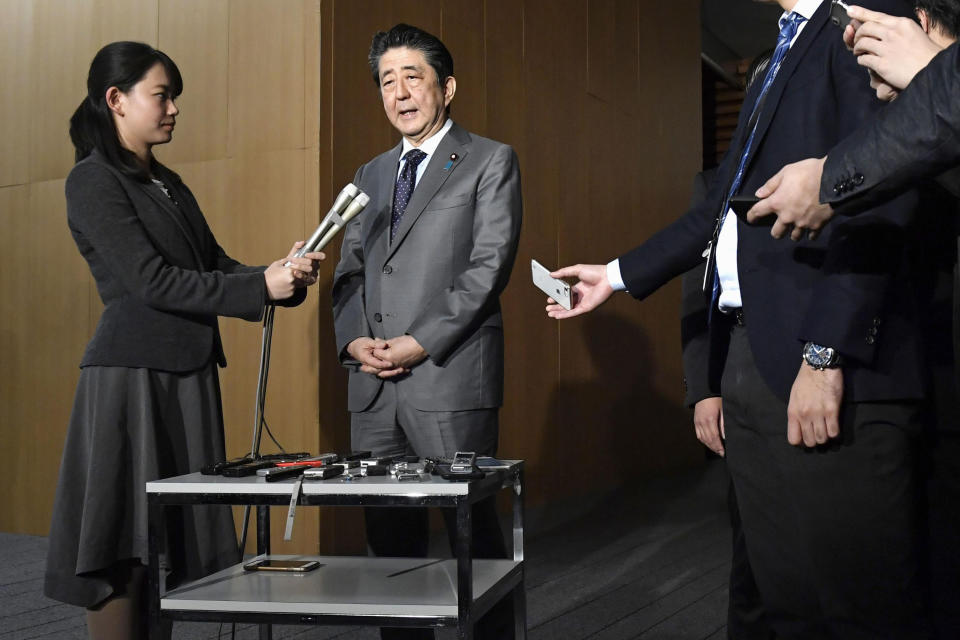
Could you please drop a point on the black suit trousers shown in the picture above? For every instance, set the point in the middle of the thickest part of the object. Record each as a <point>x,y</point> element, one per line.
<point>830,532</point>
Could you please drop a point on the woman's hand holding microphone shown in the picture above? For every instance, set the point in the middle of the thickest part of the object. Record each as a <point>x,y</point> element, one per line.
<point>288,274</point>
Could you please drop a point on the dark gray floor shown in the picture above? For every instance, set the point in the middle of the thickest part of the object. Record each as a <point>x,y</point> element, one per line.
<point>650,563</point>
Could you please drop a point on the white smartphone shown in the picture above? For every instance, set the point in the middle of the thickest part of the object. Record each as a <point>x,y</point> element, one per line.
<point>557,289</point>
<point>271,564</point>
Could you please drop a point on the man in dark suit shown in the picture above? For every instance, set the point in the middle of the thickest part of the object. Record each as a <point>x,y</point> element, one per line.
<point>909,139</point>
<point>416,293</point>
<point>818,347</point>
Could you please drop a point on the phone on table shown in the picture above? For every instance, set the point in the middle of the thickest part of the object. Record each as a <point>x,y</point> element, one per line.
<point>838,13</point>
<point>559,290</point>
<point>271,564</point>
<point>463,462</point>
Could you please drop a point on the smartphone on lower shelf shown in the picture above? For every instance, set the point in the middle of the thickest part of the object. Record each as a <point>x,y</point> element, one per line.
<point>272,564</point>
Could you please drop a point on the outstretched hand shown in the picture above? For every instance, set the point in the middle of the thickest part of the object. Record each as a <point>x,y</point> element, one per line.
<point>590,292</point>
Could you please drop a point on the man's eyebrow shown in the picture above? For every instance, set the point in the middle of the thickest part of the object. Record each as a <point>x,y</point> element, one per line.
<point>406,67</point>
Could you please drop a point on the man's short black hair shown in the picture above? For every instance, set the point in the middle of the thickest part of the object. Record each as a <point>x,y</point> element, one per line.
<point>403,35</point>
<point>943,14</point>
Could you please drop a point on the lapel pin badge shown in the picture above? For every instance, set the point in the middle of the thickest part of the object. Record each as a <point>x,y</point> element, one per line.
<point>450,162</point>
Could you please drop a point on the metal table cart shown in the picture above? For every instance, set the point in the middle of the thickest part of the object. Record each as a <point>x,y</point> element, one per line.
<point>345,590</point>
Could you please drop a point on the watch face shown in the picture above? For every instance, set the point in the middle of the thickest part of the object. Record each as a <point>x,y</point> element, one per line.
<point>817,355</point>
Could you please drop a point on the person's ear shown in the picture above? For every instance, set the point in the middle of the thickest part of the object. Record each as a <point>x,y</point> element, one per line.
<point>115,100</point>
<point>449,88</point>
<point>924,20</point>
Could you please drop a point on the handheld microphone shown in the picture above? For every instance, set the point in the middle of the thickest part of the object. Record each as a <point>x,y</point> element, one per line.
<point>355,207</point>
<point>349,203</point>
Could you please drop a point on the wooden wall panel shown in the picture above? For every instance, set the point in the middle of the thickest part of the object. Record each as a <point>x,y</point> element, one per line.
<point>44,336</point>
<point>194,33</point>
<point>79,28</point>
<point>266,75</point>
<point>258,189</point>
<point>466,44</point>
<point>15,31</point>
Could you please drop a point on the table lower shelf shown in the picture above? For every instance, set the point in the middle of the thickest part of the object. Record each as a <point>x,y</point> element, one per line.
<point>343,586</point>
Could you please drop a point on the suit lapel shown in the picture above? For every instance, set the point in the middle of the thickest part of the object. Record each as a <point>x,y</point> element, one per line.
<point>789,65</point>
<point>454,143</point>
<point>174,215</point>
<point>379,225</point>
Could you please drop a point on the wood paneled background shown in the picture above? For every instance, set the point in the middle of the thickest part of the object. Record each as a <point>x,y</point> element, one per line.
<point>600,98</point>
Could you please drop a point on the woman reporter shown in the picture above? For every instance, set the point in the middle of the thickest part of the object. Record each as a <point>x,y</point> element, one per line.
<point>147,404</point>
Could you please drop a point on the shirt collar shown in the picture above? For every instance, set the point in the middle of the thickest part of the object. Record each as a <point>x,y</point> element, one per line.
<point>430,144</point>
<point>806,8</point>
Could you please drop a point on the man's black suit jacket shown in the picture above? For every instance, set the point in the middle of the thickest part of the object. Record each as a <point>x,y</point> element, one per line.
<point>161,275</point>
<point>844,289</point>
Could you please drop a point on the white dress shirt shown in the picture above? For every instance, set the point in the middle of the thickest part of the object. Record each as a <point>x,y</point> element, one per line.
<point>727,242</point>
<point>428,146</point>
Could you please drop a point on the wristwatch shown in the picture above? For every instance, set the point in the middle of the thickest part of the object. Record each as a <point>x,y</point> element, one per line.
<point>820,357</point>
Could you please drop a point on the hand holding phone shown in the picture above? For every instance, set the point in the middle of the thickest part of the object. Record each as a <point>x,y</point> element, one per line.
<point>559,290</point>
<point>838,14</point>
<point>741,204</point>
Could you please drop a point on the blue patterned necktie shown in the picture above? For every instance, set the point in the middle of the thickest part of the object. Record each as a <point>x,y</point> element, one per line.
<point>788,30</point>
<point>404,187</point>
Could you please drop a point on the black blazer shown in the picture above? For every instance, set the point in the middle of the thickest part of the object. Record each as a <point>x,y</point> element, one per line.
<point>161,275</point>
<point>843,290</point>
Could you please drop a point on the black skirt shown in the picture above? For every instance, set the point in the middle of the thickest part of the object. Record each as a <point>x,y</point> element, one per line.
<point>130,426</point>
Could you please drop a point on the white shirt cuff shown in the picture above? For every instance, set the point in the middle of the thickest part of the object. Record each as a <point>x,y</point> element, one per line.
<point>614,277</point>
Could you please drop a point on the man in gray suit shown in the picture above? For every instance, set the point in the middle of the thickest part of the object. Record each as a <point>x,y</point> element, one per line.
<point>416,293</point>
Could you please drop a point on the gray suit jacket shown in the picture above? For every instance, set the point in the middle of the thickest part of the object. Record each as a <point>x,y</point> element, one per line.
<point>441,277</point>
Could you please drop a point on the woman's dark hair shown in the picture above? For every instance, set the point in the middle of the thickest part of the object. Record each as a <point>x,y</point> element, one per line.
<point>403,35</point>
<point>120,65</point>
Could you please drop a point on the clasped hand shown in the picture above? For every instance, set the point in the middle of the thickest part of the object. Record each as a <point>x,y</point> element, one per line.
<point>283,280</point>
<point>387,358</point>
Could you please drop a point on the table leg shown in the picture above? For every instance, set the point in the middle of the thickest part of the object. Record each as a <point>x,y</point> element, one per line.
<point>464,554</point>
<point>263,547</point>
<point>520,591</point>
<point>154,536</point>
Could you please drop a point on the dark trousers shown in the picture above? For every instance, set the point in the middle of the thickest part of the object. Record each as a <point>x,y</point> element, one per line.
<point>746,619</point>
<point>390,426</point>
<point>940,474</point>
<point>830,532</point>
